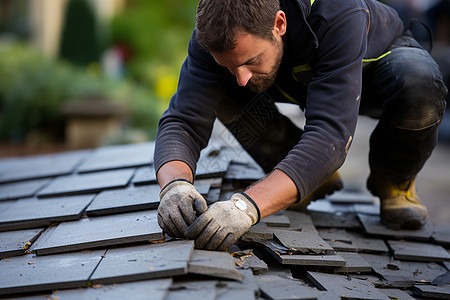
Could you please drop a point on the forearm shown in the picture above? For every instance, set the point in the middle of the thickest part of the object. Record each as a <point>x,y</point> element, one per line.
<point>273,193</point>
<point>174,170</point>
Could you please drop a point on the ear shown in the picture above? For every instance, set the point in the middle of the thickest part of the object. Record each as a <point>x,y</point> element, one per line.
<point>280,25</point>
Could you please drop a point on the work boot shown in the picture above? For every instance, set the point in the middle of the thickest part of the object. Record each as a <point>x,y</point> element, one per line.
<point>328,187</point>
<point>400,206</point>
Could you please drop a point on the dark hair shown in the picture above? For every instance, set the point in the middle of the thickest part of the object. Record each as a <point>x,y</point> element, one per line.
<point>218,21</point>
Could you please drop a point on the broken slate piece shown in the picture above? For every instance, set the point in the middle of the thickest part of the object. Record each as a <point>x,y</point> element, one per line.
<point>13,243</point>
<point>300,221</point>
<point>139,290</point>
<point>303,242</point>
<point>402,274</point>
<point>418,251</point>
<point>21,189</point>
<point>118,157</point>
<point>330,260</point>
<point>214,263</point>
<point>372,225</point>
<point>396,294</point>
<point>431,291</point>
<point>40,166</point>
<point>188,289</point>
<point>346,287</point>
<point>29,273</point>
<point>144,262</point>
<point>441,235</point>
<point>101,232</point>
<point>287,289</point>
<point>253,262</point>
<point>32,212</point>
<point>342,220</point>
<point>125,200</point>
<point>354,263</point>
<point>368,244</point>
<point>87,183</point>
<point>277,220</point>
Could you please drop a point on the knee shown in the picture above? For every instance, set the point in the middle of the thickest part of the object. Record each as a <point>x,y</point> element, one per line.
<point>421,99</point>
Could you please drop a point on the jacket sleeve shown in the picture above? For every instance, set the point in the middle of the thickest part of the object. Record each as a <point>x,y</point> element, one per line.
<point>332,104</point>
<point>185,127</point>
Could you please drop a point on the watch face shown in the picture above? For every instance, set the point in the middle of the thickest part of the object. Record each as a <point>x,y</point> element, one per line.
<point>240,204</point>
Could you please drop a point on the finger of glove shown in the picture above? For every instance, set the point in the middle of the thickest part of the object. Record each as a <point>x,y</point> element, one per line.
<point>217,239</point>
<point>187,211</point>
<point>200,205</point>
<point>203,239</point>
<point>172,218</point>
<point>165,228</point>
<point>194,230</point>
<point>179,223</point>
<point>227,242</point>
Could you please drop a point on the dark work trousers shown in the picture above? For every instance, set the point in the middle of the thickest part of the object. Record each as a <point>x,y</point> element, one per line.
<point>404,90</point>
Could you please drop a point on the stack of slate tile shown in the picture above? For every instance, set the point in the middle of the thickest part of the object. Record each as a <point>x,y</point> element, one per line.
<point>82,225</point>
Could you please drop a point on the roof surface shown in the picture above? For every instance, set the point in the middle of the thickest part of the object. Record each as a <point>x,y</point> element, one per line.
<point>82,225</point>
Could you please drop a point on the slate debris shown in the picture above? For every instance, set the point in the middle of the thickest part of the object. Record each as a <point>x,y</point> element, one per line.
<point>214,263</point>
<point>431,291</point>
<point>30,273</point>
<point>13,243</point>
<point>40,166</point>
<point>441,235</point>
<point>87,183</point>
<point>302,242</point>
<point>102,232</point>
<point>125,200</point>
<point>144,262</point>
<point>418,251</point>
<point>22,189</point>
<point>287,289</point>
<point>346,287</point>
<point>139,290</point>
<point>118,157</point>
<point>277,220</point>
<point>248,260</point>
<point>33,212</point>
<point>354,263</point>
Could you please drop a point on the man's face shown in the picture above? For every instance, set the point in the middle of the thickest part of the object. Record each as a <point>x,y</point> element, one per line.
<point>254,61</point>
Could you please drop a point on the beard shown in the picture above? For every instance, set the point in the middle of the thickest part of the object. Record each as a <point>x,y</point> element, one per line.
<point>262,83</point>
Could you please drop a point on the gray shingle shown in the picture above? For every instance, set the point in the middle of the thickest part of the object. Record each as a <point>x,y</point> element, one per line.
<point>29,273</point>
<point>101,232</point>
<point>21,189</point>
<point>14,243</point>
<point>144,262</point>
<point>87,183</point>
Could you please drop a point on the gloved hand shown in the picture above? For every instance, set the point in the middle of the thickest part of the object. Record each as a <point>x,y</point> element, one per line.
<point>180,204</point>
<point>224,222</point>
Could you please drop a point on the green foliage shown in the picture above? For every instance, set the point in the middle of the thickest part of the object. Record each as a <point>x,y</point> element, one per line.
<point>157,32</point>
<point>79,41</point>
<point>33,90</point>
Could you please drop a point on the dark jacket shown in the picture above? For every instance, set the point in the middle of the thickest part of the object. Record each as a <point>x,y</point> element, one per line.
<point>321,71</point>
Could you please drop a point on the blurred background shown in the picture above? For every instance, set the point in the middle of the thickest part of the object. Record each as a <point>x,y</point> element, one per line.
<point>83,73</point>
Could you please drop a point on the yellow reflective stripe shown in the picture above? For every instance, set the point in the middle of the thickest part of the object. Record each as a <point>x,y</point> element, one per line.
<point>301,68</point>
<point>286,95</point>
<point>378,58</point>
<point>312,1</point>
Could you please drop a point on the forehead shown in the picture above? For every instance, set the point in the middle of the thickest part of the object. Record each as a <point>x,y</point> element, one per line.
<point>248,46</point>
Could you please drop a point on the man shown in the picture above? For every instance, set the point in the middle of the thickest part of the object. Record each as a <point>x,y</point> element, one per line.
<point>334,59</point>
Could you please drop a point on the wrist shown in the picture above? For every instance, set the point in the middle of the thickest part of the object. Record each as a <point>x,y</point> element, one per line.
<point>175,182</point>
<point>245,203</point>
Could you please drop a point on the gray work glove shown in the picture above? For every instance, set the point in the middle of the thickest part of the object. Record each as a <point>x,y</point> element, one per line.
<point>224,222</point>
<point>180,204</point>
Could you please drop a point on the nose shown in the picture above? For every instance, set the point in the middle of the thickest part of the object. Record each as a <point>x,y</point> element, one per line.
<point>243,75</point>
